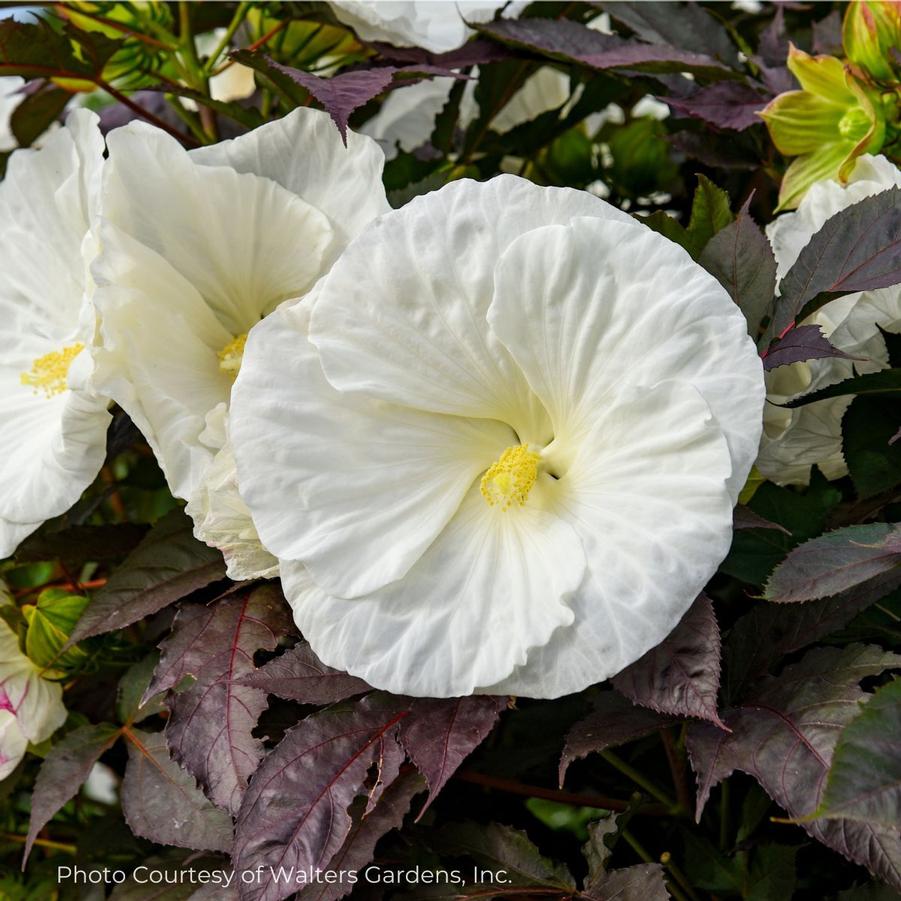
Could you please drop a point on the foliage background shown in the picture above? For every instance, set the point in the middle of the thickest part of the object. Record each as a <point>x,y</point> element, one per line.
<point>579,797</point>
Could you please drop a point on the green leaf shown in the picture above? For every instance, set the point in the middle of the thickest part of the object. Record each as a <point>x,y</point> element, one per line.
<point>132,686</point>
<point>50,623</point>
<point>710,213</point>
<point>37,112</point>
<point>772,875</point>
<point>864,781</point>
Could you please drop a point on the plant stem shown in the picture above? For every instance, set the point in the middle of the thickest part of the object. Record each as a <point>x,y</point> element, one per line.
<point>144,114</point>
<point>640,780</point>
<point>636,846</point>
<point>511,786</point>
<point>238,18</point>
<point>677,769</point>
<point>667,860</point>
<point>39,842</point>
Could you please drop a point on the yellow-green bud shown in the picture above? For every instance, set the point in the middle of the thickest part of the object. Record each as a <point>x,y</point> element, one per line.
<point>871,29</point>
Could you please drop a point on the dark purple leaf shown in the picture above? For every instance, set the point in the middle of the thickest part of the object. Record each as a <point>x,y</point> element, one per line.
<point>784,736</point>
<point>727,104</point>
<point>295,812</point>
<point>166,566</point>
<point>641,882</point>
<point>359,847</point>
<point>804,342</point>
<point>865,778</point>
<point>827,35</point>
<point>37,112</point>
<point>162,803</point>
<point>772,55</point>
<point>858,249</point>
<point>746,518</point>
<point>64,770</point>
<point>614,721</point>
<point>299,675</point>
<point>835,562</point>
<point>210,726</point>
<point>177,882</point>
<point>718,150</point>
<point>476,52</point>
<point>681,676</point>
<point>440,734</point>
<point>571,42</point>
<point>741,259</point>
<point>78,545</point>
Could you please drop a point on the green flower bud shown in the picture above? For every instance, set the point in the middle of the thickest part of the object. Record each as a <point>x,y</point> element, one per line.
<point>871,29</point>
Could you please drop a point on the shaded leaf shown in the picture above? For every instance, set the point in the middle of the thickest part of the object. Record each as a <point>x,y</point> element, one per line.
<point>162,803</point>
<point>37,112</point>
<point>64,771</point>
<point>570,42</point>
<point>858,249</point>
<point>440,734</point>
<point>727,104</point>
<point>177,883</point>
<point>166,566</point>
<point>804,342</point>
<point>784,736</point>
<point>865,779</point>
<point>35,50</point>
<point>741,259</point>
<point>295,812</point>
<point>886,382</point>
<point>641,882</point>
<point>130,704</point>
<point>614,721</point>
<point>359,847</point>
<point>874,463</point>
<point>210,726</point>
<point>745,518</point>
<point>835,562</point>
<point>681,675</point>
<point>78,545</point>
<point>299,675</point>
<point>502,848</point>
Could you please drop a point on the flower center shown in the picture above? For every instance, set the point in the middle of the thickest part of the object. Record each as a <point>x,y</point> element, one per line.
<point>511,478</point>
<point>50,372</point>
<point>231,355</point>
<point>854,124</point>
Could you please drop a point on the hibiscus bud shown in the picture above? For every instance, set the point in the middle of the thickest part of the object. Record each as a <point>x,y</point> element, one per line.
<point>50,623</point>
<point>871,29</point>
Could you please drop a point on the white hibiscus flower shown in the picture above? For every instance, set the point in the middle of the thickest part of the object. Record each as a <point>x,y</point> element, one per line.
<point>505,458</point>
<point>31,707</point>
<point>197,248</point>
<point>52,429</point>
<point>795,440</point>
<point>437,26</point>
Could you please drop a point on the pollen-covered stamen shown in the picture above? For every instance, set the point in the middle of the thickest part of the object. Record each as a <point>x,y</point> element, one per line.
<point>511,478</point>
<point>50,372</point>
<point>231,355</point>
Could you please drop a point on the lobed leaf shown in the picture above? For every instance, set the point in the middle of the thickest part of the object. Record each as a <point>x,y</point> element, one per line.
<point>726,104</point>
<point>167,565</point>
<point>681,675</point>
<point>803,342</point>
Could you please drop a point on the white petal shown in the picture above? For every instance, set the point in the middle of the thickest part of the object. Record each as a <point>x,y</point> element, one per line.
<point>647,496</point>
<point>401,315</point>
<point>222,520</point>
<point>12,534</point>
<point>493,585</point>
<point>303,152</point>
<point>243,241</point>
<point>36,702</point>
<point>13,743</point>
<point>356,489</point>
<point>592,308</point>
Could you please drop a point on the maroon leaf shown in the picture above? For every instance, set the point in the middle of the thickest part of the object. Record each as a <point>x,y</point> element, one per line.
<point>295,812</point>
<point>681,676</point>
<point>805,342</point>
<point>166,566</point>
<point>726,104</point>
<point>210,726</point>
<point>439,735</point>
<point>359,847</point>
<point>571,42</point>
<point>858,249</point>
<point>835,562</point>
<point>746,518</point>
<point>299,675</point>
<point>64,771</point>
<point>614,721</point>
<point>162,803</point>
<point>784,736</point>
<point>475,52</point>
<point>741,259</point>
<point>641,882</point>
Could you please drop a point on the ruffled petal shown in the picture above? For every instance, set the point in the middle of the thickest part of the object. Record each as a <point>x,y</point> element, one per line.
<point>492,585</point>
<point>591,309</point>
<point>243,241</point>
<point>647,496</point>
<point>356,489</point>
<point>401,316</point>
<point>303,152</point>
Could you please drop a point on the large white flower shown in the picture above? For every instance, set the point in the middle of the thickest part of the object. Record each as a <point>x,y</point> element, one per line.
<point>196,249</point>
<point>438,26</point>
<point>795,440</point>
<point>505,458</point>
<point>52,435</point>
<point>31,707</point>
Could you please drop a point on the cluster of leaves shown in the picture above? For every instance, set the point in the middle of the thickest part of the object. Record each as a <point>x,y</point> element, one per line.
<point>754,754</point>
